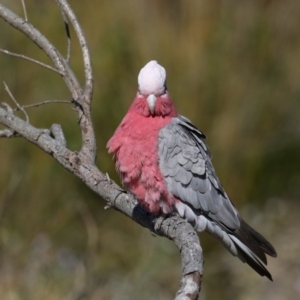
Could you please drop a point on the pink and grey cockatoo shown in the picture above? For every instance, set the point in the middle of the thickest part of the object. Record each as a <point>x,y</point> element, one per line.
<point>164,162</point>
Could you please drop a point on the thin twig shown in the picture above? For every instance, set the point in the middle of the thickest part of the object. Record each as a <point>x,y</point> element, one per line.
<point>7,107</point>
<point>89,86</point>
<point>89,146</point>
<point>43,102</point>
<point>44,44</point>
<point>24,10</point>
<point>15,101</point>
<point>67,28</point>
<point>31,60</point>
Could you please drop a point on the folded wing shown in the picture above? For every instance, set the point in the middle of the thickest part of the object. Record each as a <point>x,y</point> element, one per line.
<point>185,162</point>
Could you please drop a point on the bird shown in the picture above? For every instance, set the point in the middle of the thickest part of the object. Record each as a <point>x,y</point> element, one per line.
<point>164,162</point>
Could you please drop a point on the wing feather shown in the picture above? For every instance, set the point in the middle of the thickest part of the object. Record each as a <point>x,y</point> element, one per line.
<point>185,161</point>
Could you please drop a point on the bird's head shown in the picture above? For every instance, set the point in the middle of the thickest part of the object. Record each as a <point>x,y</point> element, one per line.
<point>152,98</point>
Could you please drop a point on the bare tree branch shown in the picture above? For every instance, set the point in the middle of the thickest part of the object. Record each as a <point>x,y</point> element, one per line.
<point>7,107</point>
<point>82,97</point>
<point>24,10</point>
<point>189,288</point>
<point>67,32</point>
<point>173,228</point>
<point>82,163</point>
<point>41,41</point>
<point>43,103</point>
<point>7,133</point>
<point>88,90</point>
<point>16,102</point>
<point>89,142</point>
<point>58,134</point>
<point>31,60</point>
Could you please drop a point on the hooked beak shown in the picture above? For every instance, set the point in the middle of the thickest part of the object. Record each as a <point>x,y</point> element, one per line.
<point>151,99</point>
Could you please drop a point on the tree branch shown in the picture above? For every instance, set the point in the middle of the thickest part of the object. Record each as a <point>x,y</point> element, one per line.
<point>173,228</point>
<point>16,102</point>
<point>67,32</point>
<point>31,60</point>
<point>89,142</point>
<point>43,103</point>
<point>89,147</point>
<point>24,10</point>
<point>42,42</point>
<point>89,87</point>
<point>82,163</point>
<point>7,133</point>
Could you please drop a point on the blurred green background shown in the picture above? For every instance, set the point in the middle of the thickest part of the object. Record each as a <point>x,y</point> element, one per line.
<point>233,69</point>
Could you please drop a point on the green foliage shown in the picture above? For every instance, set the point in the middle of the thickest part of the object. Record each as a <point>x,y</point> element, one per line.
<point>233,69</point>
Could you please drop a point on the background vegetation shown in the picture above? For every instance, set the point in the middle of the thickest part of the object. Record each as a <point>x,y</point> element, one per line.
<point>233,69</point>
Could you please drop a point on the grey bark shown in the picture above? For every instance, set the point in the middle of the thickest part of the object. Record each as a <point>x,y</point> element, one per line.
<point>82,163</point>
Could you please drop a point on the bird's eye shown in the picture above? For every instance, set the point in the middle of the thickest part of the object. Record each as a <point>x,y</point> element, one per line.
<point>141,94</point>
<point>164,91</point>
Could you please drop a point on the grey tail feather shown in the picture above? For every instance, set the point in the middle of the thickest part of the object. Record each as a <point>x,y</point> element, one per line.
<point>263,244</point>
<point>258,267</point>
<point>253,246</point>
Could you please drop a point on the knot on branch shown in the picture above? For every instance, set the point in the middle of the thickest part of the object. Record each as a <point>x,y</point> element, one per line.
<point>75,160</point>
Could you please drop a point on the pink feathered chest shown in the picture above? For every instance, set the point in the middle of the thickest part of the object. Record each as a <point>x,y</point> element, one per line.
<point>134,145</point>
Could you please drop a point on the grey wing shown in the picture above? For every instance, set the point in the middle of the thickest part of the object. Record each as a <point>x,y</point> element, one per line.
<point>185,162</point>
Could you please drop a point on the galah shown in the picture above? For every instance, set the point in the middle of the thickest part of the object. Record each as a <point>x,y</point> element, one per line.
<point>163,160</point>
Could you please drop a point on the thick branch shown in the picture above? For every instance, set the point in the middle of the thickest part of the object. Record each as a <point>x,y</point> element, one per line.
<point>173,228</point>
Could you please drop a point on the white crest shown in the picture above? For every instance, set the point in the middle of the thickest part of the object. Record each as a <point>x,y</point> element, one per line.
<point>152,78</point>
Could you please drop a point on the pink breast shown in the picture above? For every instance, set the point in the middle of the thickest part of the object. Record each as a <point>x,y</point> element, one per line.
<point>135,146</point>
